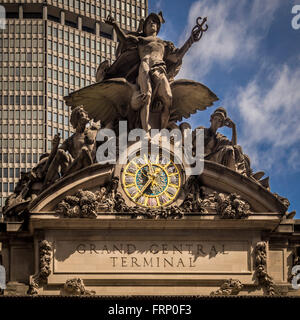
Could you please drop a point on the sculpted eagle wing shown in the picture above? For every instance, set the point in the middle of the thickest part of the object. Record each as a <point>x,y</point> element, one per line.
<point>188,97</point>
<point>104,100</point>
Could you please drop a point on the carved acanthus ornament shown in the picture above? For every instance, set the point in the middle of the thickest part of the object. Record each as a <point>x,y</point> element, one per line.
<point>261,269</point>
<point>230,287</point>
<point>75,287</point>
<point>41,277</point>
<point>84,204</point>
<point>231,206</point>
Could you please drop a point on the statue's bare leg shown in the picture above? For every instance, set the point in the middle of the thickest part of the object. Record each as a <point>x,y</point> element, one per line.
<point>144,82</point>
<point>165,94</point>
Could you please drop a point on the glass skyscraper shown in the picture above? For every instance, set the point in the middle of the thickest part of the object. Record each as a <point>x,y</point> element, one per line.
<point>48,49</point>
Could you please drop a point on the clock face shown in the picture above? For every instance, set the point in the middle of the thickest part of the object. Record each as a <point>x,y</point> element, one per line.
<point>151,181</point>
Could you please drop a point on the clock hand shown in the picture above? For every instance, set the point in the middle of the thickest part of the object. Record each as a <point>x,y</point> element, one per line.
<point>149,165</point>
<point>144,187</point>
<point>144,174</point>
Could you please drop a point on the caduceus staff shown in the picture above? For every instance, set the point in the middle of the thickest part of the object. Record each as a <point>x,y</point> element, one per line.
<point>199,28</point>
<point>196,35</point>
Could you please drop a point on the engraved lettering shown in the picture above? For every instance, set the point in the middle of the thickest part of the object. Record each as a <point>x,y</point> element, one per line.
<point>118,249</point>
<point>146,263</point>
<point>175,248</point>
<point>191,263</point>
<point>93,248</point>
<point>124,262</point>
<point>180,263</point>
<point>170,263</point>
<point>106,249</point>
<point>189,246</point>
<point>114,260</point>
<point>152,250</point>
<point>164,248</point>
<point>213,252</point>
<point>200,249</point>
<point>81,248</point>
<point>134,262</point>
<point>223,249</point>
<point>131,248</point>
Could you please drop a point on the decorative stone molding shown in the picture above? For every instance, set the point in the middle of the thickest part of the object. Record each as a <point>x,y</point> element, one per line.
<point>75,287</point>
<point>84,204</point>
<point>41,277</point>
<point>231,206</point>
<point>283,200</point>
<point>261,269</point>
<point>230,287</point>
<point>172,212</point>
<point>228,206</point>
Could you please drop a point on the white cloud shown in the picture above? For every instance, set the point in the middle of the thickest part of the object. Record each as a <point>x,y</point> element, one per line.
<point>270,116</point>
<point>236,28</point>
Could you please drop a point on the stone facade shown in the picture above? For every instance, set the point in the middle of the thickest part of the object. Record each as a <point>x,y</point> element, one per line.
<point>76,225</point>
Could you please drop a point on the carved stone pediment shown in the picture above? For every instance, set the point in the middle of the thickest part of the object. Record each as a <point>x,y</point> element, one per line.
<point>218,191</point>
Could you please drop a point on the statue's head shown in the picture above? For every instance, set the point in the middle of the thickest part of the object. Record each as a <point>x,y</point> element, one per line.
<point>79,118</point>
<point>218,118</point>
<point>153,23</point>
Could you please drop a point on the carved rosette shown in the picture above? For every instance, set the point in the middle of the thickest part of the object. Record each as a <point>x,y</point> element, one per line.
<point>261,269</point>
<point>230,287</point>
<point>40,279</point>
<point>75,287</point>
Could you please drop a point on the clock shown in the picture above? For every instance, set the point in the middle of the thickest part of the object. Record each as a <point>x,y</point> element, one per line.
<point>151,181</point>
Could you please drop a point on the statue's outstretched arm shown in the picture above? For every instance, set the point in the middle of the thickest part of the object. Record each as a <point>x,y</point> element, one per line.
<point>120,34</point>
<point>55,144</point>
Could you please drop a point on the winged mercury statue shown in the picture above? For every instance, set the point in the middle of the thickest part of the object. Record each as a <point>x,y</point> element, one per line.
<point>139,86</point>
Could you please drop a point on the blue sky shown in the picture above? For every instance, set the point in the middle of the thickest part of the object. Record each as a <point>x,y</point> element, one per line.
<point>250,58</point>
